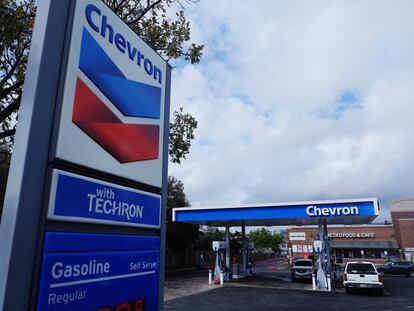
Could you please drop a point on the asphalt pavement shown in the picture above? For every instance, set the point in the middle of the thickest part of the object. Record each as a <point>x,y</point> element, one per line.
<point>399,296</point>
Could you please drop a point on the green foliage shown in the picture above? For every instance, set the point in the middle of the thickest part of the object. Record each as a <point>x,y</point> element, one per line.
<point>17,19</point>
<point>180,236</point>
<point>149,19</point>
<point>181,134</point>
<point>204,242</point>
<point>176,196</point>
<point>263,238</point>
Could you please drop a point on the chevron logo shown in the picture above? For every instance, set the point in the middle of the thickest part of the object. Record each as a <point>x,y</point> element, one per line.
<point>125,142</point>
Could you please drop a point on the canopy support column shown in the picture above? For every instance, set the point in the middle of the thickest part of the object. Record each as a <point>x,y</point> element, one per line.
<point>228,247</point>
<point>244,250</point>
<point>327,248</point>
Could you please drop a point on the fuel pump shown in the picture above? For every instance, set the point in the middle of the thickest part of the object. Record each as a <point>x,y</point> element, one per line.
<point>250,266</point>
<point>219,249</point>
<point>318,246</point>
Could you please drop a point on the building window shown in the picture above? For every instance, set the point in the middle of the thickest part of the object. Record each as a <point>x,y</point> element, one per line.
<point>369,253</point>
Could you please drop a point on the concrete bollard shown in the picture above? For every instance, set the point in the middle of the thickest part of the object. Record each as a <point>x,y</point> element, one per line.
<point>328,277</point>
<point>210,277</point>
<point>313,281</point>
<point>221,278</point>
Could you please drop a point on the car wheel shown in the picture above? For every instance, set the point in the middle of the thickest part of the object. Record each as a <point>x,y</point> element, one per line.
<point>411,274</point>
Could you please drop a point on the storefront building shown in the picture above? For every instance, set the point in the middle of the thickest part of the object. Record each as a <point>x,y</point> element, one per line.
<point>402,215</point>
<point>375,243</point>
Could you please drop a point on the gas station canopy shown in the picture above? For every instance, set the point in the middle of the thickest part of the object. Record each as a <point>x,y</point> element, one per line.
<point>349,211</point>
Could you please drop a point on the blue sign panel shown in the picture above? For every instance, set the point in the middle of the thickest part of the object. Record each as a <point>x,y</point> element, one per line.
<point>99,272</point>
<point>292,211</point>
<point>83,199</point>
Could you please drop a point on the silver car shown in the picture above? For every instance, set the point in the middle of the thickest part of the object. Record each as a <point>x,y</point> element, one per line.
<point>302,269</point>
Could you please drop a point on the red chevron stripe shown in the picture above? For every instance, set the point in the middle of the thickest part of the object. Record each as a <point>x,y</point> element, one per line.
<point>125,142</point>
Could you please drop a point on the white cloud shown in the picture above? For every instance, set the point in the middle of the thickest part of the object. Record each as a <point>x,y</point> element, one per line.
<point>268,71</point>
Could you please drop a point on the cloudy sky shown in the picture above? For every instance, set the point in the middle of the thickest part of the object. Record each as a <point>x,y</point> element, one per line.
<point>299,100</point>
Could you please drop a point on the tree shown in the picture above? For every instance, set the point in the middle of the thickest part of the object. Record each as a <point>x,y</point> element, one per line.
<point>263,238</point>
<point>205,241</point>
<point>17,19</point>
<point>180,236</point>
<point>148,18</point>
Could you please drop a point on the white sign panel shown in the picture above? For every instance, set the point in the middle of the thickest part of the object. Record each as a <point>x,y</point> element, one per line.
<point>297,236</point>
<point>218,245</point>
<point>317,245</point>
<point>114,98</point>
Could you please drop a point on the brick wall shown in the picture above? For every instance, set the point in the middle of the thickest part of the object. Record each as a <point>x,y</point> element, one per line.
<point>403,227</point>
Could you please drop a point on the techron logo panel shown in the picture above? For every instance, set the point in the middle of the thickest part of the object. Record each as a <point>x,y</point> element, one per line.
<point>84,199</point>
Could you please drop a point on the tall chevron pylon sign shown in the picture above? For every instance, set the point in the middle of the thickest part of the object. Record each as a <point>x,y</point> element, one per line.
<point>125,142</point>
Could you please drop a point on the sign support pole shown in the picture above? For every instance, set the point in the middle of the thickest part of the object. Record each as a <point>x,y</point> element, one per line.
<point>25,187</point>
<point>164,196</point>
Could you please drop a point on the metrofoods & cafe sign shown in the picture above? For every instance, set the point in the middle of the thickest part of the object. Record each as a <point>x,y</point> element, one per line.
<point>352,235</point>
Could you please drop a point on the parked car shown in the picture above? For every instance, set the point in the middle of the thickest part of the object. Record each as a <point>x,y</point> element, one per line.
<point>294,259</point>
<point>302,269</point>
<point>358,275</point>
<point>397,268</point>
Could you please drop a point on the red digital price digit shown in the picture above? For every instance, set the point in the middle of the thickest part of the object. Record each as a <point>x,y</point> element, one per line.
<point>123,307</point>
<point>137,305</point>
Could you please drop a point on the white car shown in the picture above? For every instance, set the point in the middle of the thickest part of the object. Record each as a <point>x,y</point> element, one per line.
<point>359,275</point>
<point>302,269</point>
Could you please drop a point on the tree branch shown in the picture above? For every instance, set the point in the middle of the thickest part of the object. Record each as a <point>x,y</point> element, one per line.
<point>7,133</point>
<point>116,7</point>
<point>6,112</point>
<point>6,91</point>
<point>14,66</point>
<point>145,11</point>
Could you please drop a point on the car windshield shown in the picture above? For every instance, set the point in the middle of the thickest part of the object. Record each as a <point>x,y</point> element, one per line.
<point>306,263</point>
<point>360,268</point>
